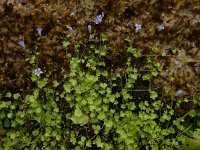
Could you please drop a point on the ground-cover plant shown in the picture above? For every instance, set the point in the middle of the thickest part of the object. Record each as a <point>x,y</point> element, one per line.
<point>95,108</point>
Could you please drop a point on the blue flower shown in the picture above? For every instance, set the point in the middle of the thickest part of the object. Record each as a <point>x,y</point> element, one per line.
<point>98,19</point>
<point>91,36</point>
<point>89,28</point>
<point>38,72</point>
<point>21,43</point>
<point>138,27</point>
<point>178,93</point>
<point>160,27</point>
<point>39,30</point>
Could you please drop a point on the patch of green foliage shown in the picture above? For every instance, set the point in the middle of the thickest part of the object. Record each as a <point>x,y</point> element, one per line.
<point>94,110</point>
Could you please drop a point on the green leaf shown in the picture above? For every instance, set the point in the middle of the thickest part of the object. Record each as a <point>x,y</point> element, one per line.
<point>196,134</point>
<point>174,50</point>
<point>79,89</point>
<point>73,82</point>
<point>166,117</point>
<point>84,102</point>
<point>102,52</point>
<point>101,116</point>
<point>35,132</point>
<point>91,78</point>
<point>67,87</point>
<point>198,122</point>
<point>103,85</point>
<point>98,142</point>
<point>31,98</point>
<point>6,123</point>
<point>102,63</point>
<point>133,76</point>
<point>131,106</point>
<point>55,83</point>
<point>153,95</point>
<point>74,63</point>
<point>16,96</point>
<point>38,110</point>
<point>154,73</point>
<point>90,100</point>
<point>12,135</point>
<point>9,115</point>
<point>82,120</point>
<point>77,112</point>
<point>105,73</point>
<point>122,133</point>
<point>134,51</point>
<point>104,38</point>
<point>146,77</point>
<point>69,97</point>
<point>65,44</point>
<point>192,113</point>
<point>73,139</point>
<point>126,96</point>
<point>112,98</point>
<point>108,123</point>
<point>131,49</point>
<point>89,143</point>
<point>190,144</point>
<point>42,83</point>
<point>92,107</point>
<point>142,106</point>
<point>32,59</point>
<point>8,94</point>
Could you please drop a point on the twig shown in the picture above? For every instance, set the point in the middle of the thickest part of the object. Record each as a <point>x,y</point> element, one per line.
<point>96,134</point>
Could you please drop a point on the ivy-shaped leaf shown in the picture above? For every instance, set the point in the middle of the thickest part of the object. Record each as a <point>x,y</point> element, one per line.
<point>55,83</point>
<point>42,83</point>
<point>153,95</point>
<point>77,112</point>
<point>16,96</point>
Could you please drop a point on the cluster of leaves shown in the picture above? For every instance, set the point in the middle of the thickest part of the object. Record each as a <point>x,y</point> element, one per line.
<point>93,111</point>
<point>31,120</point>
